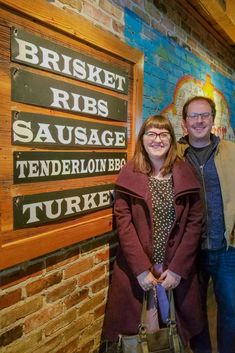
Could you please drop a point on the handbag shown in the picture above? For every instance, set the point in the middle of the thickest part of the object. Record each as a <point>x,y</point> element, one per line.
<point>164,340</point>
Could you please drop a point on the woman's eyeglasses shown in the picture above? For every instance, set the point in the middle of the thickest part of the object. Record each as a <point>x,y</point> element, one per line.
<point>164,136</point>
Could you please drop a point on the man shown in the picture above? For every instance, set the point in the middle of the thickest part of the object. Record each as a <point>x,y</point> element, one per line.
<point>214,161</point>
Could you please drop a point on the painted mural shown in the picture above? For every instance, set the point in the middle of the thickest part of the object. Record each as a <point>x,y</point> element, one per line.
<point>188,87</point>
<point>172,74</point>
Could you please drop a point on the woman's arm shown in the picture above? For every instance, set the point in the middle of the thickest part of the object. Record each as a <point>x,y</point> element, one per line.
<point>131,247</point>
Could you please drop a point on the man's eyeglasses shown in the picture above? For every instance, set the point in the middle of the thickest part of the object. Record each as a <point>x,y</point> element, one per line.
<point>164,136</point>
<point>195,116</point>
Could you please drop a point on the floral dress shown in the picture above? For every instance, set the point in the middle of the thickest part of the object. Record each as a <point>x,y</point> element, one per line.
<point>163,214</point>
<point>163,218</point>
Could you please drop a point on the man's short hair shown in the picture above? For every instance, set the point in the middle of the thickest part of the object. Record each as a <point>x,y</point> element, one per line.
<point>197,98</point>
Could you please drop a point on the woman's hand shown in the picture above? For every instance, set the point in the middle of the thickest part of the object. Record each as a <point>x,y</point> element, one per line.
<point>170,279</point>
<point>146,280</point>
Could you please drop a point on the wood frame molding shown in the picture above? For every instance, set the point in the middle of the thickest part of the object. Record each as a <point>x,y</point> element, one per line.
<point>75,27</point>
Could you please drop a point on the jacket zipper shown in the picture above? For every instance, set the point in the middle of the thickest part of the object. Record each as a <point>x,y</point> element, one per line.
<point>194,162</point>
<point>205,199</point>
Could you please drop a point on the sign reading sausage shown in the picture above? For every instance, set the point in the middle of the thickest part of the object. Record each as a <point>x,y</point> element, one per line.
<point>30,129</point>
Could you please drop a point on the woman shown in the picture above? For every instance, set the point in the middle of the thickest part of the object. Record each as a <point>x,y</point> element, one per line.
<point>158,215</point>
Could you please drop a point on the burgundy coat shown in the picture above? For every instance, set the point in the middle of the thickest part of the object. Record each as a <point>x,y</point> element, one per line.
<point>134,220</point>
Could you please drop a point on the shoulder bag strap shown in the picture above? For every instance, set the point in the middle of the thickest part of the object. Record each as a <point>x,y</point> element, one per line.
<point>176,342</point>
<point>172,305</point>
<point>171,324</point>
<point>142,327</point>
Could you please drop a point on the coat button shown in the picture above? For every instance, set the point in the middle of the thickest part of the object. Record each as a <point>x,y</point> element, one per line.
<point>171,243</point>
<point>177,225</point>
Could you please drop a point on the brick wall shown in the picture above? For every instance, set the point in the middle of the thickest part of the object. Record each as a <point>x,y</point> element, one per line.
<point>56,303</point>
<point>102,12</point>
<point>176,43</point>
<point>171,18</point>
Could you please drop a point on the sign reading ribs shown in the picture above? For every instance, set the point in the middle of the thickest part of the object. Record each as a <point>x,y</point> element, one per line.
<point>27,87</point>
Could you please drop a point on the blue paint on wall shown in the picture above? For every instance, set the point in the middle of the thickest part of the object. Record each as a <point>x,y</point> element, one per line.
<point>165,63</point>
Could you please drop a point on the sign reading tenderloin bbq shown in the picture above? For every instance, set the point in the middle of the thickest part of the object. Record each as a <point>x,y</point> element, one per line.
<point>45,166</point>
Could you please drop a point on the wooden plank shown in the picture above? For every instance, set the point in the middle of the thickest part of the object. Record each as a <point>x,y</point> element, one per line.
<point>24,249</point>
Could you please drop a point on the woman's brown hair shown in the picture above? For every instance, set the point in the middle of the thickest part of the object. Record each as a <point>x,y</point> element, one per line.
<point>141,159</point>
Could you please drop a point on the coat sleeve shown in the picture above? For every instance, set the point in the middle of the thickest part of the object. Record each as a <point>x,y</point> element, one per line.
<point>130,243</point>
<point>183,259</point>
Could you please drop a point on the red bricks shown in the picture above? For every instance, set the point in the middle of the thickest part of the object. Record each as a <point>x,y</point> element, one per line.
<point>11,335</point>
<point>20,311</point>
<point>42,317</point>
<point>10,298</point>
<point>91,275</point>
<point>52,307</point>
<point>61,291</point>
<point>43,283</point>
<point>79,267</point>
<point>76,297</point>
<point>60,322</point>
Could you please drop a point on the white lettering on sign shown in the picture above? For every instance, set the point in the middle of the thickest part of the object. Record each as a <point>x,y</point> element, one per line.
<point>46,168</point>
<point>58,208</point>
<point>57,61</point>
<point>84,104</point>
<point>65,135</point>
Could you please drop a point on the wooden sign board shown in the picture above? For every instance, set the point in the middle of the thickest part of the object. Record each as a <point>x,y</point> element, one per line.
<point>29,129</point>
<point>30,88</point>
<point>34,210</point>
<point>31,167</point>
<point>69,107</point>
<point>32,50</point>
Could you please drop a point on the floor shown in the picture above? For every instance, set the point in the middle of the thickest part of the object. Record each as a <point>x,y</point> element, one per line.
<point>212,318</point>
